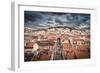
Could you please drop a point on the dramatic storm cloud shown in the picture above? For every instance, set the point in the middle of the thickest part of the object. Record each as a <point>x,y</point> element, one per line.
<point>36,19</point>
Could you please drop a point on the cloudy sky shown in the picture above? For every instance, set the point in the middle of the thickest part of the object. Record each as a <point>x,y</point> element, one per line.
<point>35,19</point>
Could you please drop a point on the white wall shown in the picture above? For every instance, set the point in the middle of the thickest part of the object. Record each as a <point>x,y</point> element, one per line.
<point>5,34</point>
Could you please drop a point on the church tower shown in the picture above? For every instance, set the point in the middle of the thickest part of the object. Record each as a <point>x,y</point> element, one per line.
<point>58,50</point>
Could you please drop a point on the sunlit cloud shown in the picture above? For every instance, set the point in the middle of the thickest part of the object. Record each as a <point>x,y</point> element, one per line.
<point>35,19</point>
